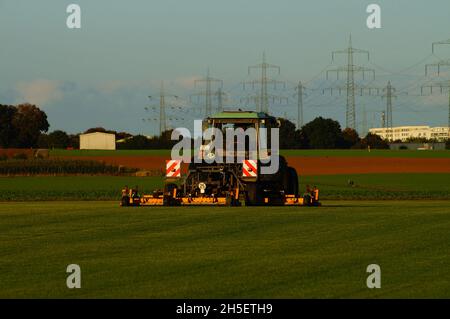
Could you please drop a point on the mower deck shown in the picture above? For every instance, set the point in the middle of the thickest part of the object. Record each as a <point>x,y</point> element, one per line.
<point>151,200</point>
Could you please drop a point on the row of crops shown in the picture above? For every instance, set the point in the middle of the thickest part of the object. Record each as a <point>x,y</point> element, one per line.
<point>59,167</point>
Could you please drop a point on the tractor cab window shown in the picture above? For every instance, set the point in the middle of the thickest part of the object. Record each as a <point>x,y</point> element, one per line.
<point>229,129</point>
<point>265,138</point>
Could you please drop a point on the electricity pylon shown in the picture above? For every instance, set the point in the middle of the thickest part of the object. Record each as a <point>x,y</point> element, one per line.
<point>439,43</point>
<point>351,87</point>
<point>162,107</point>
<point>221,95</point>
<point>365,128</point>
<point>440,84</point>
<point>300,94</point>
<point>389,94</point>
<point>262,100</point>
<point>208,92</point>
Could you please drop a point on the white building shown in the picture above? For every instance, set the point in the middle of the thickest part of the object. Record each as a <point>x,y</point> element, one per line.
<point>440,133</point>
<point>403,133</point>
<point>98,141</point>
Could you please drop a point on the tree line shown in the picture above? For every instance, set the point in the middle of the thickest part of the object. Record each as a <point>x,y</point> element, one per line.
<point>26,126</point>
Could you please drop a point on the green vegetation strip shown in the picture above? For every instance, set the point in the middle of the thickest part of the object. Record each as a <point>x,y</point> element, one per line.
<point>58,166</point>
<point>306,153</point>
<point>197,252</point>
<point>381,186</point>
<point>72,187</point>
<point>361,187</point>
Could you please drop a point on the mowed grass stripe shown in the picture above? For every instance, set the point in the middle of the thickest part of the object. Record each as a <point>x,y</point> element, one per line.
<point>200,252</point>
<point>364,187</point>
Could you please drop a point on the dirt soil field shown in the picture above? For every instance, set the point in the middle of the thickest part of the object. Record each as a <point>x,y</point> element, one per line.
<point>312,165</point>
<point>10,152</point>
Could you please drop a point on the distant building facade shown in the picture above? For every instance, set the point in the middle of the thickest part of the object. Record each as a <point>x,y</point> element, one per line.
<point>403,133</point>
<point>97,141</point>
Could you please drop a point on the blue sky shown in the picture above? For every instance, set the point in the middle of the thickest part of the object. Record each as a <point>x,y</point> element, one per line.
<point>102,74</point>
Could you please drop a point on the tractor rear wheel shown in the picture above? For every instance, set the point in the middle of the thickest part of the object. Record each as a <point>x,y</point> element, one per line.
<point>292,181</point>
<point>125,201</point>
<point>168,194</point>
<point>253,194</point>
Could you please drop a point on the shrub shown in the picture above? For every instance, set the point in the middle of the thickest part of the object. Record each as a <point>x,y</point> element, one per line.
<point>374,141</point>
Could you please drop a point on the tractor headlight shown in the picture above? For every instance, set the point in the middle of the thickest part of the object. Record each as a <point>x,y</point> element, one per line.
<point>210,156</point>
<point>202,187</point>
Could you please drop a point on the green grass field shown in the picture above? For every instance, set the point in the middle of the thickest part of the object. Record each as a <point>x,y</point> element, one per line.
<point>366,186</point>
<point>198,252</point>
<point>306,153</point>
<point>22,188</point>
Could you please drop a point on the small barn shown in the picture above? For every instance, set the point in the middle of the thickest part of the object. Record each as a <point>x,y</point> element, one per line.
<point>98,141</point>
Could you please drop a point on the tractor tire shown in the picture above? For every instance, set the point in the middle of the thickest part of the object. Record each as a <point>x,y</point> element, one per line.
<point>293,181</point>
<point>125,201</point>
<point>254,197</point>
<point>306,200</point>
<point>168,199</point>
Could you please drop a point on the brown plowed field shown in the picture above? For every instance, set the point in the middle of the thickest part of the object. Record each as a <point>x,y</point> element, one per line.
<point>313,165</point>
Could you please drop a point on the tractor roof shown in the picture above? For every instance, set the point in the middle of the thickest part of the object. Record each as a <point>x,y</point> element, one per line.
<point>240,115</point>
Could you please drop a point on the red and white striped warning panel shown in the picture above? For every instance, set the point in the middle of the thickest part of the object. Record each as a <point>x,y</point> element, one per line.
<point>249,168</point>
<point>173,168</point>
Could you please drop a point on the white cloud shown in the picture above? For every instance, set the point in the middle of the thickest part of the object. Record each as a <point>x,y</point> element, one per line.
<point>40,92</point>
<point>111,86</point>
<point>186,82</point>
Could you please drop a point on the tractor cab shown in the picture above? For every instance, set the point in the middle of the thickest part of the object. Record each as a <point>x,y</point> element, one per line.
<point>245,134</point>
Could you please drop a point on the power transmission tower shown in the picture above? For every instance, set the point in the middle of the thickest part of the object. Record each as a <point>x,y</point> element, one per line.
<point>351,69</point>
<point>383,119</point>
<point>300,93</point>
<point>262,100</point>
<point>439,43</point>
<point>208,91</point>
<point>440,84</point>
<point>162,107</point>
<point>446,63</point>
<point>365,128</point>
<point>389,94</point>
<point>220,97</point>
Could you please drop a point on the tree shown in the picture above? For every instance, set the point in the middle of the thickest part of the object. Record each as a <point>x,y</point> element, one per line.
<point>138,142</point>
<point>447,144</point>
<point>350,138</point>
<point>95,129</point>
<point>28,122</point>
<point>418,140</point>
<point>43,141</point>
<point>56,139</point>
<point>74,141</point>
<point>290,138</point>
<point>374,141</point>
<point>323,134</point>
<point>122,135</point>
<point>7,130</point>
